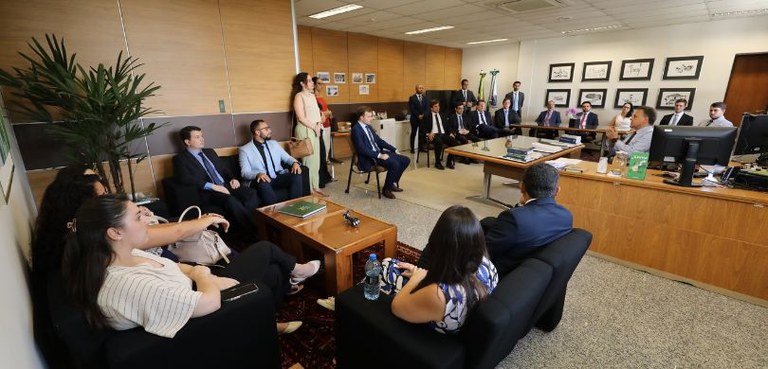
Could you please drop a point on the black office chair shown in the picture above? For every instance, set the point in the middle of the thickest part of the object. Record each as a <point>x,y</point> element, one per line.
<point>354,167</point>
<point>429,147</point>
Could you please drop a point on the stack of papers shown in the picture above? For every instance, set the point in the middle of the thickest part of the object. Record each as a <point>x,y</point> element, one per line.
<point>538,146</point>
<point>522,159</point>
<point>561,163</point>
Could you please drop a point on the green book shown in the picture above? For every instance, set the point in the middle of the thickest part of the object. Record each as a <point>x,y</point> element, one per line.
<point>302,209</point>
<point>638,163</point>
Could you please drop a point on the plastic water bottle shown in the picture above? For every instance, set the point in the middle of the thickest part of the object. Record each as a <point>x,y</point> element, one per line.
<point>371,283</point>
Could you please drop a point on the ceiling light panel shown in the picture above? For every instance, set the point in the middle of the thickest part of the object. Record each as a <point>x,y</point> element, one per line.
<point>336,11</point>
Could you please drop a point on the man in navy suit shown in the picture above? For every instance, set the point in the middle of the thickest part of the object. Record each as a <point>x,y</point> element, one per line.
<point>417,107</point>
<point>372,150</point>
<point>481,121</point>
<point>679,118</point>
<point>464,96</point>
<point>547,118</point>
<point>506,116</point>
<point>585,120</point>
<point>536,221</point>
<point>516,98</point>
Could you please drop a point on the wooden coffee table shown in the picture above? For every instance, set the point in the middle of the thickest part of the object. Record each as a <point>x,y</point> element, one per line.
<point>327,233</point>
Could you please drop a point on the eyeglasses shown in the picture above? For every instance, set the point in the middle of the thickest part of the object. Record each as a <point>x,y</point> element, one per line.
<point>263,128</point>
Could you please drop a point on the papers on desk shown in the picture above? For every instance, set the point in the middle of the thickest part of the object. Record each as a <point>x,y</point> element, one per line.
<point>561,163</point>
<point>552,142</point>
<point>523,158</point>
<point>549,149</point>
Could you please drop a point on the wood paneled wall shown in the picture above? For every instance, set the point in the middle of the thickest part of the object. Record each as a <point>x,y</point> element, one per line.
<point>399,65</point>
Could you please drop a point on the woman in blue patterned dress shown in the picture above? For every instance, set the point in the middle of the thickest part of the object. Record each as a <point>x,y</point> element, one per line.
<point>457,276</point>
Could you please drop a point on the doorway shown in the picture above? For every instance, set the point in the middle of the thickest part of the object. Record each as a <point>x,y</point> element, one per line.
<point>747,90</point>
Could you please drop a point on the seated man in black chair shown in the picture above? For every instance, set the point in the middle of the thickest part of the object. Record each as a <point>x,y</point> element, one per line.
<point>372,150</point>
<point>506,116</point>
<point>436,132</point>
<point>261,165</point>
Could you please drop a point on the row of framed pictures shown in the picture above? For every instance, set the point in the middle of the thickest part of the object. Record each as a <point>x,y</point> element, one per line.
<point>333,90</point>
<point>636,96</point>
<point>684,67</point>
<point>325,77</point>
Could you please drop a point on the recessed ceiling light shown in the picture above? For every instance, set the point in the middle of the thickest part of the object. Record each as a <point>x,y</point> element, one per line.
<point>425,30</point>
<point>487,41</point>
<point>336,11</point>
<point>740,13</point>
<point>592,29</point>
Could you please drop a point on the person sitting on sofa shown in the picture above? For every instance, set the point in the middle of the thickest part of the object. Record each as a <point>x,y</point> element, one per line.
<point>536,221</point>
<point>120,286</point>
<point>457,275</point>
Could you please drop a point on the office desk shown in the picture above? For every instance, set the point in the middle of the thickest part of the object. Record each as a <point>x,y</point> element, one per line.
<point>714,238</point>
<point>569,130</point>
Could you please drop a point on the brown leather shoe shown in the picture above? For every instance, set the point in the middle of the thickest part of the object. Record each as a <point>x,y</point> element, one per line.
<point>396,189</point>
<point>388,194</point>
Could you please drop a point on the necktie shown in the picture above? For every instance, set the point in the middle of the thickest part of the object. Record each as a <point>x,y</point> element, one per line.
<point>630,138</point>
<point>419,97</point>
<point>506,118</point>
<point>461,122</point>
<point>369,133</point>
<point>482,117</point>
<point>436,118</point>
<point>211,170</point>
<point>675,118</point>
<point>465,94</point>
<point>547,118</point>
<point>710,122</point>
<point>584,120</point>
<point>267,156</point>
<point>514,103</point>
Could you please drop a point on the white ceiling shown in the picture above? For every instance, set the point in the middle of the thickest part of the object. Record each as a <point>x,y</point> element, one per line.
<point>478,20</point>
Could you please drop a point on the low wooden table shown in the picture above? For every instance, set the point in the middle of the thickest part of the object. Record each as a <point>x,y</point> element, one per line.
<point>326,232</point>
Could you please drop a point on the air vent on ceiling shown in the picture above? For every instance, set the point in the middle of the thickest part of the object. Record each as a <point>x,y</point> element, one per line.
<point>519,6</point>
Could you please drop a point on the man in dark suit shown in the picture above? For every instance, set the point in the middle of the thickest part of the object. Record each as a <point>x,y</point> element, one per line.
<point>371,149</point>
<point>547,118</point>
<point>585,120</point>
<point>436,132</point>
<point>481,121</point>
<point>460,127</point>
<point>517,98</point>
<point>504,117</point>
<point>464,96</point>
<point>203,169</point>
<point>417,107</point>
<point>679,118</point>
<point>536,221</point>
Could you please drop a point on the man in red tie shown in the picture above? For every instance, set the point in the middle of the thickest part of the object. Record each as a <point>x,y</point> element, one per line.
<point>585,120</point>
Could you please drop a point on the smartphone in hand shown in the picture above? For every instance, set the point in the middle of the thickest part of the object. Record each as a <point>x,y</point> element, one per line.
<point>235,292</point>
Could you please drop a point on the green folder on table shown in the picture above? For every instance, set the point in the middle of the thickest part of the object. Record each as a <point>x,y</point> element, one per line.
<point>302,209</point>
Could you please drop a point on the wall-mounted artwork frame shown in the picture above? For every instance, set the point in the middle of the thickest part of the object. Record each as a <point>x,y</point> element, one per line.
<point>364,90</point>
<point>370,78</point>
<point>331,90</point>
<point>596,71</point>
<point>684,67</point>
<point>595,96</point>
<point>667,97</point>
<point>357,77</point>
<point>339,78</point>
<point>324,77</point>
<point>561,97</point>
<point>562,72</point>
<point>636,69</point>
<point>635,96</point>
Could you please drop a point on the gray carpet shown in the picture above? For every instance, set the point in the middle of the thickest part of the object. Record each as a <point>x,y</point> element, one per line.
<point>615,317</point>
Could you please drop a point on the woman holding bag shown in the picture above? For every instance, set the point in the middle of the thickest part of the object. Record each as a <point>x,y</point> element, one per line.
<point>309,122</point>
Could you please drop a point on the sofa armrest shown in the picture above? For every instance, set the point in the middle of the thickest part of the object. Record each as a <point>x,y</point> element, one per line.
<point>365,329</point>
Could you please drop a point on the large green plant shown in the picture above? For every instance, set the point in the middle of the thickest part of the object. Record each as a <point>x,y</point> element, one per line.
<point>94,111</point>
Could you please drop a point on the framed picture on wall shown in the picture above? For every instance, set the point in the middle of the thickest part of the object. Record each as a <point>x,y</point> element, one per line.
<point>339,78</point>
<point>560,97</point>
<point>636,70</point>
<point>324,77</point>
<point>596,97</point>
<point>332,90</point>
<point>357,78</point>
<point>596,71</point>
<point>363,89</point>
<point>634,96</point>
<point>370,78</point>
<point>562,72</point>
<point>667,97</point>
<point>685,67</point>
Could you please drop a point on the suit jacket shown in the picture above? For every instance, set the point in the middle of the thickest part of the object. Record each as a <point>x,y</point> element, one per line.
<point>366,154</point>
<point>416,109</point>
<point>592,121</point>
<point>521,97</point>
<point>685,120</point>
<point>188,170</point>
<point>252,163</point>
<point>519,231</point>
<point>458,97</point>
<point>426,124</point>
<point>498,118</point>
<point>475,119</point>
<point>554,120</point>
<point>451,123</point>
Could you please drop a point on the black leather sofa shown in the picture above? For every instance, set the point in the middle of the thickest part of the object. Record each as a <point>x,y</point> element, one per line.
<point>532,295</point>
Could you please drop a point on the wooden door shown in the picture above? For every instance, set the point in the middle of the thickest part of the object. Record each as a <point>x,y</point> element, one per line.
<point>746,88</point>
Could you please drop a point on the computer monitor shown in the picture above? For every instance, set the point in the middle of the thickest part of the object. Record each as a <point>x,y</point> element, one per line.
<point>689,146</point>
<point>753,137</point>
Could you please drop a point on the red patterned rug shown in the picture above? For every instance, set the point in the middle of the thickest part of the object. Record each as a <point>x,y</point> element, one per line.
<point>314,344</point>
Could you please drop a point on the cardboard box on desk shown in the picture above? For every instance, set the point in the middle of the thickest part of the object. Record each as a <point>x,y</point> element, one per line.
<point>638,163</point>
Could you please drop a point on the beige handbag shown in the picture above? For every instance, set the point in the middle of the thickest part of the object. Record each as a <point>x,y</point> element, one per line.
<point>300,148</point>
<point>205,248</point>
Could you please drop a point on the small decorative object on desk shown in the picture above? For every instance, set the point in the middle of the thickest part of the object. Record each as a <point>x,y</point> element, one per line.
<point>371,281</point>
<point>351,220</point>
<point>302,209</point>
<point>638,162</point>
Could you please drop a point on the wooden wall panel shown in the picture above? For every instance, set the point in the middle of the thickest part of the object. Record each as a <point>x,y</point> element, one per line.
<point>452,69</point>
<point>363,54</point>
<point>306,61</point>
<point>435,71</point>
<point>329,53</point>
<point>414,67</point>
<point>260,68</point>
<point>181,45</point>
<point>390,77</point>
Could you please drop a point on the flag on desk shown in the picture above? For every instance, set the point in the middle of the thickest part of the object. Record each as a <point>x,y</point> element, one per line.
<point>494,98</point>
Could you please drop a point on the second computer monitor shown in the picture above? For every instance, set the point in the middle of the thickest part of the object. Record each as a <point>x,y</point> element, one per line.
<point>689,146</point>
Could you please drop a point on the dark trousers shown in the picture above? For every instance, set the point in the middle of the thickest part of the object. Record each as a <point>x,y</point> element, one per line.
<point>465,139</point>
<point>288,181</point>
<point>396,165</point>
<point>440,141</point>
<point>487,132</point>
<point>240,204</point>
<point>325,175</point>
<point>414,130</point>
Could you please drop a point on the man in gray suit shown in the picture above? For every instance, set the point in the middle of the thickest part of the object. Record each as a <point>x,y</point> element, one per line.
<point>517,98</point>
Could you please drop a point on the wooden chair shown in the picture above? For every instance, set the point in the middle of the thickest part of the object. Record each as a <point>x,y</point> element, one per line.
<point>354,167</point>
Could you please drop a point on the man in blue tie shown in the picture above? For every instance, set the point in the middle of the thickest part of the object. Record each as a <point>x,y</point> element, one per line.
<point>202,168</point>
<point>517,98</point>
<point>372,150</point>
<point>504,117</point>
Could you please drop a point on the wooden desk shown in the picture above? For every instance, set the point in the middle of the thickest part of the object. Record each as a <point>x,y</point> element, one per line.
<point>494,165</point>
<point>603,140</point>
<point>710,237</point>
<point>327,233</point>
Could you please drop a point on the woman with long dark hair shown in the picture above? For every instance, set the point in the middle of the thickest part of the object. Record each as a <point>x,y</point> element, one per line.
<point>309,122</point>
<point>457,275</point>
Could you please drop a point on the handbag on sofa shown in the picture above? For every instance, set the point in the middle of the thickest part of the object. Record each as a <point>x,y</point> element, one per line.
<point>205,248</point>
<point>300,148</point>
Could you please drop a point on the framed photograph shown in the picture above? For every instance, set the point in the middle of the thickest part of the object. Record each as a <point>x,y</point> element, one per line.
<point>667,97</point>
<point>562,72</point>
<point>339,78</point>
<point>370,78</point>
<point>596,97</point>
<point>332,90</point>
<point>634,96</point>
<point>636,70</point>
<point>324,77</point>
<point>596,71</point>
<point>560,97</point>
<point>363,89</point>
<point>685,67</point>
<point>357,78</point>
